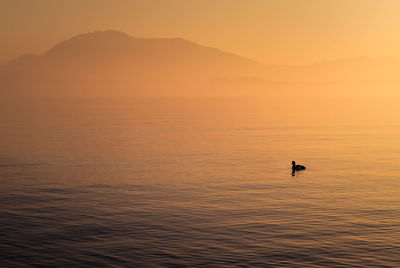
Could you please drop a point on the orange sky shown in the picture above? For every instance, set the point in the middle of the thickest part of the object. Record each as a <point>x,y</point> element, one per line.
<point>270,31</point>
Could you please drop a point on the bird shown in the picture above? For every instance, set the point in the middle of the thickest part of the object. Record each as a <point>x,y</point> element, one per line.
<point>297,167</point>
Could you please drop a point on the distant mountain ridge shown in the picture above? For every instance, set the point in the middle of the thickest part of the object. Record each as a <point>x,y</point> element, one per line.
<point>114,63</point>
<point>108,41</point>
<point>111,63</point>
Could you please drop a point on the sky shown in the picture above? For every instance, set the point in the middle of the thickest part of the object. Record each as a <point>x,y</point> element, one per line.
<point>269,31</point>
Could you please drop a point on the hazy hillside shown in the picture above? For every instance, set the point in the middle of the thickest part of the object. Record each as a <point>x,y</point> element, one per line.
<point>111,63</point>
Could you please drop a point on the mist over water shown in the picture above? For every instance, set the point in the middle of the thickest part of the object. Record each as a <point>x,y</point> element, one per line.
<point>206,181</point>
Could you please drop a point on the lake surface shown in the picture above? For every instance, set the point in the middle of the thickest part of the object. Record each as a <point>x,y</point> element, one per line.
<point>200,182</point>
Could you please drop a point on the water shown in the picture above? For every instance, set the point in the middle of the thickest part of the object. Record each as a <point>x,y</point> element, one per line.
<point>200,182</point>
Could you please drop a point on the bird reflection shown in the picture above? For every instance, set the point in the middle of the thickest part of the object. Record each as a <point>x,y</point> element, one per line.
<point>296,168</point>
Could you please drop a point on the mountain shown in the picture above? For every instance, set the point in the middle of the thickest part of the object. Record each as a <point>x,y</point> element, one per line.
<point>111,63</point>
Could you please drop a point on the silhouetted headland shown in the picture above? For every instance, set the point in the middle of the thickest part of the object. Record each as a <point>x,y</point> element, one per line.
<point>111,63</point>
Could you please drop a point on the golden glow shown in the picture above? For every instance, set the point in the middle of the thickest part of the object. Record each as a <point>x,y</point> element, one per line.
<point>297,33</point>
<point>274,31</point>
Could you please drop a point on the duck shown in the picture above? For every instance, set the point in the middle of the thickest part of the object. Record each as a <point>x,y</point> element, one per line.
<point>297,167</point>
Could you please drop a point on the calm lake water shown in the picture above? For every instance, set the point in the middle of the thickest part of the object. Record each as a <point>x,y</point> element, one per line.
<point>200,182</point>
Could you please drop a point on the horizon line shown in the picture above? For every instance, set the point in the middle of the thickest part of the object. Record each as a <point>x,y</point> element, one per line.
<point>4,62</point>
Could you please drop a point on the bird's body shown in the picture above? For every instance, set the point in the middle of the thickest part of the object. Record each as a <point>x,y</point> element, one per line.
<point>297,167</point>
